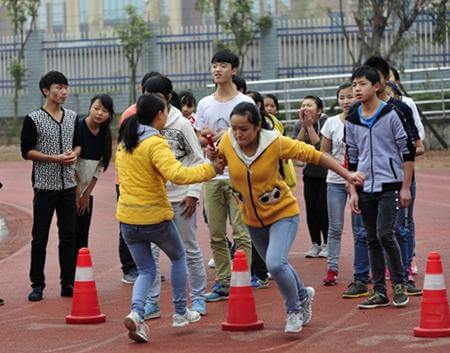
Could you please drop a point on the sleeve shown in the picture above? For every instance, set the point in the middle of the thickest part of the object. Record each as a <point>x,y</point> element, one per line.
<point>28,136</point>
<point>416,117</point>
<point>77,139</point>
<point>171,169</point>
<point>295,149</point>
<point>405,114</point>
<point>404,142</point>
<point>351,148</point>
<point>199,117</point>
<point>326,130</point>
<point>296,129</point>
<point>195,157</point>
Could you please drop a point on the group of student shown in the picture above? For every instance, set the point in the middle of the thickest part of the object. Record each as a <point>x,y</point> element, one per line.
<point>234,145</point>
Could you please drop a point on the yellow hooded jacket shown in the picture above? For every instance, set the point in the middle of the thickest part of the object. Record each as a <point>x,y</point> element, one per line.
<point>143,174</point>
<point>262,194</point>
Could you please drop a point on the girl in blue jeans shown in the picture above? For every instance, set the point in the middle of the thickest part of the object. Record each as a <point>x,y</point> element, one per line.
<point>145,163</point>
<point>332,142</point>
<point>267,204</point>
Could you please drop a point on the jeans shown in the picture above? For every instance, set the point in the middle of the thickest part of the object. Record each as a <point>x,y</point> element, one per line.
<point>315,193</point>
<point>219,201</point>
<point>45,202</point>
<point>165,235</point>
<point>404,231</point>
<point>126,259</point>
<point>379,213</point>
<point>336,200</point>
<point>194,257</point>
<point>273,244</point>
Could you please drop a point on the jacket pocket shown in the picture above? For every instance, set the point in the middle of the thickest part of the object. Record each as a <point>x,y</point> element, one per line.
<point>391,164</point>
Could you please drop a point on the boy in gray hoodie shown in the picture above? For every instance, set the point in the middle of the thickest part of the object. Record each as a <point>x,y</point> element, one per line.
<point>378,145</point>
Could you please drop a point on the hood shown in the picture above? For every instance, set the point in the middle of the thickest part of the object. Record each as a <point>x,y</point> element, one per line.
<point>266,137</point>
<point>174,115</point>
<point>144,132</point>
<point>353,115</point>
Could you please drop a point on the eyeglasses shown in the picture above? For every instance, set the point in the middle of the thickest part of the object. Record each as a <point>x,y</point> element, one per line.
<point>271,196</point>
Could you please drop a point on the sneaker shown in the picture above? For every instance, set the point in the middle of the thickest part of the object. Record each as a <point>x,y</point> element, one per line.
<point>323,252</point>
<point>314,251</point>
<point>218,292</point>
<point>129,278</point>
<point>412,290</point>
<point>269,276</point>
<point>307,306</point>
<point>355,290</point>
<point>36,294</point>
<point>331,278</point>
<point>294,323</point>
<point>189,317</point>
<point>151,311</point>
<point>400,298</point>
<point>67,291</point>
<point>413,266</point>
<point>199,305</point>
<point>211,263</point>
<point>137,328</point>
<point>375,300</point>
<point>259,283</point>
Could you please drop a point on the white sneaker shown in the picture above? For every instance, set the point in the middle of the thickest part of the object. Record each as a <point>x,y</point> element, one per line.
<point>307,305</point>
<point>323,252</point>
<point>189,317</point>
<point>211,263</point>
<point>137,328</point>
<point>314,251</point>
<point>294,323</point>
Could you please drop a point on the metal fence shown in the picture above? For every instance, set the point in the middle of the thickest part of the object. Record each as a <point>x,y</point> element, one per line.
<point>95,61</point>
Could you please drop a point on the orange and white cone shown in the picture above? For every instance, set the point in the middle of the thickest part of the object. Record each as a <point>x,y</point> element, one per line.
<point>241,305</point>
<point>85,308</point>
<point>434,312</point>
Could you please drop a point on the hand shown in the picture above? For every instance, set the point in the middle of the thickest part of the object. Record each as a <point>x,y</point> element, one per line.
<point>219,165</point>
<point>301,115</point>
<point>354,203</point>
<point>66,158</point>
<point>206,131</point>
<point>190,204</point>
<point>356,178</point>
<point>211,152</point>
<point>405,197</point>
<point>83,205</point>
<point>308,119</point>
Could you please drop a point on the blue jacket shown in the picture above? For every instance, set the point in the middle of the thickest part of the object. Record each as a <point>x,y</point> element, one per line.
<point>379,151</point>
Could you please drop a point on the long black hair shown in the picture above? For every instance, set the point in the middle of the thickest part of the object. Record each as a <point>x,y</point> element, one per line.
<point>105,127</point>
<point>147,108</point>
<point>265,116</point>
<point>252,113</point>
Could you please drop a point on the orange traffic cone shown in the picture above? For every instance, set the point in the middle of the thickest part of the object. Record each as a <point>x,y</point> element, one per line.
<point>434,313</point>
<point>85,308</point>
<point>241,306</point>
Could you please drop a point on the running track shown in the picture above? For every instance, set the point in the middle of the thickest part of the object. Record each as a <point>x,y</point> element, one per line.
<point>336,326</point>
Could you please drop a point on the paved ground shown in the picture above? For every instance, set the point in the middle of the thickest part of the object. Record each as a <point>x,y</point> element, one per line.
<point>336,325</point>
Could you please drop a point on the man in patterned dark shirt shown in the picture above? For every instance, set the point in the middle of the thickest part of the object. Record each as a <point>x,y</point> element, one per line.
<point>49,139</point>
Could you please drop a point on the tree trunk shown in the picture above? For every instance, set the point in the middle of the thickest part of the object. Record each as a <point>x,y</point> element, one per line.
<point>133,85</point>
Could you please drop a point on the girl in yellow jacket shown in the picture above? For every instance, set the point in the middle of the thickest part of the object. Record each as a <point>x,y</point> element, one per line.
<point>267,204</point>
<point>145,163</point>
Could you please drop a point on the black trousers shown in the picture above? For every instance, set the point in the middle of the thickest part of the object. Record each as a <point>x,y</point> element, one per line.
<point>45,202</point>
<point>83,225</point>
<point>315,193</point>
<point>126,260</point>
<point>259,268</point>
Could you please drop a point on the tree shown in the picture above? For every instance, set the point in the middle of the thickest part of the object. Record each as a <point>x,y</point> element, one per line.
<point>23,17</point>
<point>133,35</point>
<point>373,17</point>
<point>238,20</point>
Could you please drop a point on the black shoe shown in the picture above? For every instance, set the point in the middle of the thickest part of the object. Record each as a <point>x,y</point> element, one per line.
<point>375,300</point>
<point>355,290</point>
<point>67,291</point>
<point>2,302</point>
<point>412,290</point>
<point>36,294</point>
<point>400,298</point>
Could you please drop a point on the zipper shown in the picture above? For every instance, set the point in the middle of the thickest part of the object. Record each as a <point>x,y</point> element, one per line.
<point>251,198</point>
<point>62,151</point>
<point>391,163</point>
<point>371,158</point>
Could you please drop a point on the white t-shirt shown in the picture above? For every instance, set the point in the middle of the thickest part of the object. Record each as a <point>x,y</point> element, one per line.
<point>215,115</point>
<point>333,129</point>
<point>410,103</point>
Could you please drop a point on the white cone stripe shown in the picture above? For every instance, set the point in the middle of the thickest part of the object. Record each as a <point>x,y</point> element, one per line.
<point>84,274</point>
<point>240,279</point>
<point>434,282</point>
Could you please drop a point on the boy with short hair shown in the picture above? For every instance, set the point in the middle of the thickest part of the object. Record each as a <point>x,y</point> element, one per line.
<point>49,139</point>
<point>378,145</point>
<point>213,117</point>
